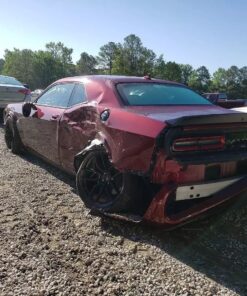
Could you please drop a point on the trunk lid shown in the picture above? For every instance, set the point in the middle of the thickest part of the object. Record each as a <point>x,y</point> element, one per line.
<point>190,115</point>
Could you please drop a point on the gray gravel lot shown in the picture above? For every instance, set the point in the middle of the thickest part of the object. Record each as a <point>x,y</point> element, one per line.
<point>51,245</point>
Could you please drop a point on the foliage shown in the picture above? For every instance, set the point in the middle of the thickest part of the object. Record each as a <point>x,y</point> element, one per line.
<point>1,65</point>
<point>131,57</point>
<point>46,68</point>
<point>19,64</point>
<point>200,79</point>
<point>186,72</point>
<point>86,64</point>
<point>172,72</point>
<point>106,57</point>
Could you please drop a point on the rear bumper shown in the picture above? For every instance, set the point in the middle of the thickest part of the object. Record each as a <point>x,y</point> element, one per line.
<point>3,104</point>
<point>158,211</point>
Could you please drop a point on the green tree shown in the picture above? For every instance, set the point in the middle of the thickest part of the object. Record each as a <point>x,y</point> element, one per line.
<point>172,72</point>
<point>119,66</point>
<point>159,66</point>
<point>1,65</point>
<point>86,64</point>
<point>132,52</point>
<point>19,64</point>
<point>147,62</point>
<point>243,87</point>
<point>186,72</point>
<point>200,79</point>
<point>46,68</point>
<point>63,55</point>
<point>132,58</point>
<point>106,57</point>
<point>219,80</point>
<point>234,79</point>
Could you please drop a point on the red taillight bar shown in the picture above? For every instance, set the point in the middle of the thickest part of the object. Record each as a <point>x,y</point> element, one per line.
<point>24,91</point>
<point>199,144</point>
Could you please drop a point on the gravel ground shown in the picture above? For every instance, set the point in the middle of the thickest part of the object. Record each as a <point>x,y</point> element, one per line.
<point>51,245</point>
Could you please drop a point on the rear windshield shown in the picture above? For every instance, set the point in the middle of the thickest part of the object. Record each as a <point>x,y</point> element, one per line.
<point>9,80</point>
<point>145,94</point>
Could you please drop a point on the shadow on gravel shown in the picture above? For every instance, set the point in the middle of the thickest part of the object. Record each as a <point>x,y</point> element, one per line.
<point>59,174</point>
<point>216,247</point>
<point>56,172</point>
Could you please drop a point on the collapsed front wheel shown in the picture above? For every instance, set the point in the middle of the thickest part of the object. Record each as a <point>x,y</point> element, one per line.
<point>103,187</point>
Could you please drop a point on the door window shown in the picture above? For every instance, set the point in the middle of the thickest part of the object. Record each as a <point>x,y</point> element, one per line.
<point>78,96</point>
<point>57,96</point>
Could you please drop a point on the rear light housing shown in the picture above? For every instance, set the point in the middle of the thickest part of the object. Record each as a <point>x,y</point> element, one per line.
<point>199,144</point>
<point>24,91</point>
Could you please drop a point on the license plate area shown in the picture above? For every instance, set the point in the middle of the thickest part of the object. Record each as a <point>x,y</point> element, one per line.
<point>203,190</point>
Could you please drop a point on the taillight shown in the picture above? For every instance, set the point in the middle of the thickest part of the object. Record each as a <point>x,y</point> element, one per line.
<point>24,91</point>
<point>199,144</point>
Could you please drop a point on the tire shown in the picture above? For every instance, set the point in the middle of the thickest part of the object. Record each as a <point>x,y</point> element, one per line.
<point>102,187</point>
<point>1,115</point>
<point>12,138</point>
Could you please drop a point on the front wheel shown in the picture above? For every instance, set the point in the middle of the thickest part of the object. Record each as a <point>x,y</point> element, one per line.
<point>103,187</point>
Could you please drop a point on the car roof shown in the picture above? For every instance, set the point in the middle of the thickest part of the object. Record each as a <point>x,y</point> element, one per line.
<point>117,79</point>
<point>215,93</point>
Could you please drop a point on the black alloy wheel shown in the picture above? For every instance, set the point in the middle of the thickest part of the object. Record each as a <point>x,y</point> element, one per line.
<point>103,187</point>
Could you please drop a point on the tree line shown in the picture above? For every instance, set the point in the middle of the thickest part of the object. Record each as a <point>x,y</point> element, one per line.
<point>42,67</point>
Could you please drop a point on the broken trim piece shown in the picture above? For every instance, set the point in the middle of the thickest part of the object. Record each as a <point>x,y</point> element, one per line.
<point>203,190</point>
<point>95,144</point>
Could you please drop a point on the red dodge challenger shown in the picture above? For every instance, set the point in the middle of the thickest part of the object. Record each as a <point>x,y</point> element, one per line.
<point>144,149</point>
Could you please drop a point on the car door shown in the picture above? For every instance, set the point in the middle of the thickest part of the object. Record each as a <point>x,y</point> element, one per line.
<point>40,129</point>
<point>77,127</point>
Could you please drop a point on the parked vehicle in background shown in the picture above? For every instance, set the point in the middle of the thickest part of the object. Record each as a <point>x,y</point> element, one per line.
<point>222,100</point>
<point>36,93</point>
<point>12,91</point>
<point>141,148</point>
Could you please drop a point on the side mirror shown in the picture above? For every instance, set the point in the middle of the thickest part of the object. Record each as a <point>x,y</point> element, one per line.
<point>26,85</point>
<point>27,108</point>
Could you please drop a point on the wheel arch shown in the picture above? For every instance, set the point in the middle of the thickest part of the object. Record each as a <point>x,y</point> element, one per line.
<point>96,144</point>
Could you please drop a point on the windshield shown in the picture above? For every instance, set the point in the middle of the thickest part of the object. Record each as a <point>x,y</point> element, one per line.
<point>9,80</point>
<point>145,94</point>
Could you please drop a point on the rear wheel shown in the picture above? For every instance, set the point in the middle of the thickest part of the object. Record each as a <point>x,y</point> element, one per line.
<point>1,115</point>
<point>12,138</point>
<point>103,187</point>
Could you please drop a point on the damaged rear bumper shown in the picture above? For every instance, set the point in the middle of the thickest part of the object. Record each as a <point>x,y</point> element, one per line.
<point>161,210</point>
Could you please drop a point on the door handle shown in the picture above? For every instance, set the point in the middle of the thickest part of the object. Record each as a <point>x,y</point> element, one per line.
<point>54,116</point>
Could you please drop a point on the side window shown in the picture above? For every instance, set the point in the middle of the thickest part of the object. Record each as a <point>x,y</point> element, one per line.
<point>57,96</point>
<point>78,96</point>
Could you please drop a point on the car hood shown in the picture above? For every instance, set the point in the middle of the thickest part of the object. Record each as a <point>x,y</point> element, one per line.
<point>181,115</point>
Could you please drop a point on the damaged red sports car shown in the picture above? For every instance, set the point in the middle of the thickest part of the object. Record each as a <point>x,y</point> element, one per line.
<point>147,149</point>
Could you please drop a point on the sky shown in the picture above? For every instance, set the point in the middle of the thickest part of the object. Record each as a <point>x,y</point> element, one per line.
<point>198,32</point>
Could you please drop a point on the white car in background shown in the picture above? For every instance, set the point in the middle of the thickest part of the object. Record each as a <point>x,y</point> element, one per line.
<point>12,91</point>
<point>36,93</point>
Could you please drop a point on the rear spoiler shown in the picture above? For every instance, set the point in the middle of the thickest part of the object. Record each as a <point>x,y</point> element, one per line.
<point>234,117</point>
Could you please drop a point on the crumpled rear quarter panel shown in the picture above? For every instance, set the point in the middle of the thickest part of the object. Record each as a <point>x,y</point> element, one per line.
<point>130,139</point>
